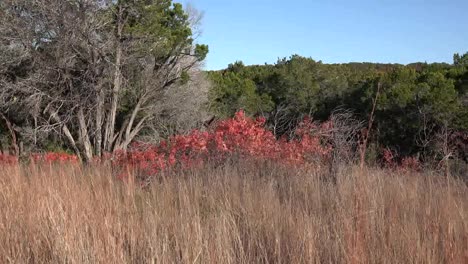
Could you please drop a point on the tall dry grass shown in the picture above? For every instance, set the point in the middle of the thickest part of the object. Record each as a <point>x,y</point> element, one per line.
<point>237,213</point>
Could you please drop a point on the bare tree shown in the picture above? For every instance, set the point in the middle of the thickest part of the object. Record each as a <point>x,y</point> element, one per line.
<point>282,121</point>
<point>97,72</point>
<point>182,108</point>
<point>426,134</point>
<point>344,137</point>
<point>444,147</point>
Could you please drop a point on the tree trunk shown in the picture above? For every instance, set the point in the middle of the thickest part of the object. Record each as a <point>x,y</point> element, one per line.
<point>135,111</point>
<point>99,122</point>
<point>446,149</point>
<point>363,146</point>
<point>84,136</point>
<point>72,141</point>
<point>66,132</point>
<point>110,126</point>
<point>129,138</point>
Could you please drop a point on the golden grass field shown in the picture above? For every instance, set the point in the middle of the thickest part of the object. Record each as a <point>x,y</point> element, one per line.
<point>237,213</point>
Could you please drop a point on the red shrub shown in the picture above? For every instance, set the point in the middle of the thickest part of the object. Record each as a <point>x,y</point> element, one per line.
<point>8,159</point>
<point>240,135</point>
<point>54,157</point>
<point>406,164</point>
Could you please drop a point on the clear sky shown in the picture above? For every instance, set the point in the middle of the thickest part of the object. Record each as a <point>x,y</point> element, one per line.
<point>334,31</point>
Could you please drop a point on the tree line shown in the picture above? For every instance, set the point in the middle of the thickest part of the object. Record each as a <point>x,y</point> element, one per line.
<point>417,103</point>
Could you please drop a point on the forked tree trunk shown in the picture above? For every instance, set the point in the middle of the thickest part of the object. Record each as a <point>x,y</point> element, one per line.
<point>110,124</point>
<point>130,131</point>
<point>66,132</point>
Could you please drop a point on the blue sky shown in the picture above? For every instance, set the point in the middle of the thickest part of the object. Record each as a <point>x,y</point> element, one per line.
<point>334,31</point>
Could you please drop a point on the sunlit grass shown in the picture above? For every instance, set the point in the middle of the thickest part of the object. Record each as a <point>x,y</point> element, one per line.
<point>235,213</point>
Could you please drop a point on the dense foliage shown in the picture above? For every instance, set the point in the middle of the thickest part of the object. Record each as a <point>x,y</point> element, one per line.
<point>416,102</point>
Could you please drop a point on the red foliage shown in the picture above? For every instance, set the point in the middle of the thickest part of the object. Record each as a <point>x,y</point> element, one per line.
<point>406,164</point>
<point>44,158</point>
<point>240,135</point>
<point>388,158</point>
<point>54,157</point>
<point>6,159</point>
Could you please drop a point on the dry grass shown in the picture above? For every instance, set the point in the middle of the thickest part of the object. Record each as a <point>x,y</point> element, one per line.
<point>240,213</point>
